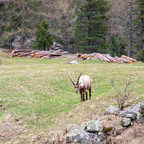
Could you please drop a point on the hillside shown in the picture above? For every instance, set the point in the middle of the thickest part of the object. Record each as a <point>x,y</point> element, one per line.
<point>38,103</point>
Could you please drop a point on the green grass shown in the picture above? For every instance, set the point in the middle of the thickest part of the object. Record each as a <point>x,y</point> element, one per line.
<point>39,93</point>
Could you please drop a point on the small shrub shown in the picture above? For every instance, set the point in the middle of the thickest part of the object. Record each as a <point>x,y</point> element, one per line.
<point>123,94</point>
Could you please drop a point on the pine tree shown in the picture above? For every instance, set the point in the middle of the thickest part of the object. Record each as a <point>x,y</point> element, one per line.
<point>114,46</point>
<point>43,37</point>
<point>139,21</point>
<point>19,18</point>
<point>92,26</point>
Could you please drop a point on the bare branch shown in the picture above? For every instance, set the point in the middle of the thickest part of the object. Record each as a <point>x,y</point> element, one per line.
<point>121,96</point>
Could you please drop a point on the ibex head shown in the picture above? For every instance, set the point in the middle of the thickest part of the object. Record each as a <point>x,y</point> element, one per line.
<point>76,85</point>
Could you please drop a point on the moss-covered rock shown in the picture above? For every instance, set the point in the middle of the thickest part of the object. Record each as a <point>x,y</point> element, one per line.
<point>94,126</point>
<point>78,134</point>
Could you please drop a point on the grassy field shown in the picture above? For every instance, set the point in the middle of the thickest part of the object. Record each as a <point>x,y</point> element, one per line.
<point>37,95</point>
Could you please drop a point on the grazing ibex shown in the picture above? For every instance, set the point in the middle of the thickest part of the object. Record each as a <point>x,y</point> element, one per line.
<point>82,85</point>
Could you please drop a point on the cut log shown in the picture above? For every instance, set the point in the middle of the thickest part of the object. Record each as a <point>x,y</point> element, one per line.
<point>128,58</point>
<point>36,53</point>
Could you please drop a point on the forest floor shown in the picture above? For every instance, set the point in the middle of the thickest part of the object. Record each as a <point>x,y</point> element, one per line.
<point>38,103</point>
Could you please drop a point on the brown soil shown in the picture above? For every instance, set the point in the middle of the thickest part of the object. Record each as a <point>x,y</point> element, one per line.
<point>132,135</point>
<point>8,130</point>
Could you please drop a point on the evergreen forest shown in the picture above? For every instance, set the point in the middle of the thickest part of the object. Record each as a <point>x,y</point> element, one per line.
<point>104,26</point>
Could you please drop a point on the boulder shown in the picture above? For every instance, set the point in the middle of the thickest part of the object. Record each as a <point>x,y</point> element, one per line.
<point>141,120</point>
<point>17,42</point>
<point>138,106</point>
<point>137,109</point>
<point>78,135</point>
<point>72,62</point>
<point>94,126</point>
<point>112,110</point>
<point>132,116</point>
<point>126,122</point>
<point>126,111</point>
<point>132,112</point>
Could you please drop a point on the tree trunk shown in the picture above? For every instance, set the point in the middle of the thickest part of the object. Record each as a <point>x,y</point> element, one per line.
<point>23,25</point>
<point>143,33</point>
<point>112,21</point>
<point>89,30</point>
<point>130,31</point>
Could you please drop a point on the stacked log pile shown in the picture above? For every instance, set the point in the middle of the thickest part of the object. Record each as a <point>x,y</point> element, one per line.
<point>107,58</point>
<point>20,53</point>
<point>36,53</point>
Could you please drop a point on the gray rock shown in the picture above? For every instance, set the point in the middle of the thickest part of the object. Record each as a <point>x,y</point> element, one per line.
<point>73,62</point>
<point>88,58</point>
<point>78,135</point>
<point>132,116</point>
<point>134,110</point>
<point>17,42</point>
<point>140,120</point>
<point>137,109</point>
<point>138,106</point>
<point>125,111</point>
<point>94,126</point>
<point>112,110</point>
<point>129,113</point>
<point>126,122</point>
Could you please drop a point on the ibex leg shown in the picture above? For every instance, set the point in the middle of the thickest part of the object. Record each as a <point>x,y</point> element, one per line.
<point>86,95</point>
<point>90,93</point>
<point>81,96</point>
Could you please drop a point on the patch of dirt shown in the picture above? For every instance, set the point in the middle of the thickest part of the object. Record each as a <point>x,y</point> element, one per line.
<point>132,135</point>
<point>8,130</point>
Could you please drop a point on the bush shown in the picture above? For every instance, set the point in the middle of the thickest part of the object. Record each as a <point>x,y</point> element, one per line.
<point>122,95</point>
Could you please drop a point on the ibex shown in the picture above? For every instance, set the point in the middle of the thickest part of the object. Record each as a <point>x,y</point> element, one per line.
<point>82,85</point>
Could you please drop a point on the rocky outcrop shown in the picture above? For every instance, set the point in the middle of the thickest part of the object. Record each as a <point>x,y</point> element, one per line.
<point>89,133</point>
<point>132,112</point>
<point>99,131</point>
<point>17,42</point>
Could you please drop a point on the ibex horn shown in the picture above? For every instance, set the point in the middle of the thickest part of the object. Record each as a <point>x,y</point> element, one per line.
<point>71,79</point>
<point>79,78</point>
